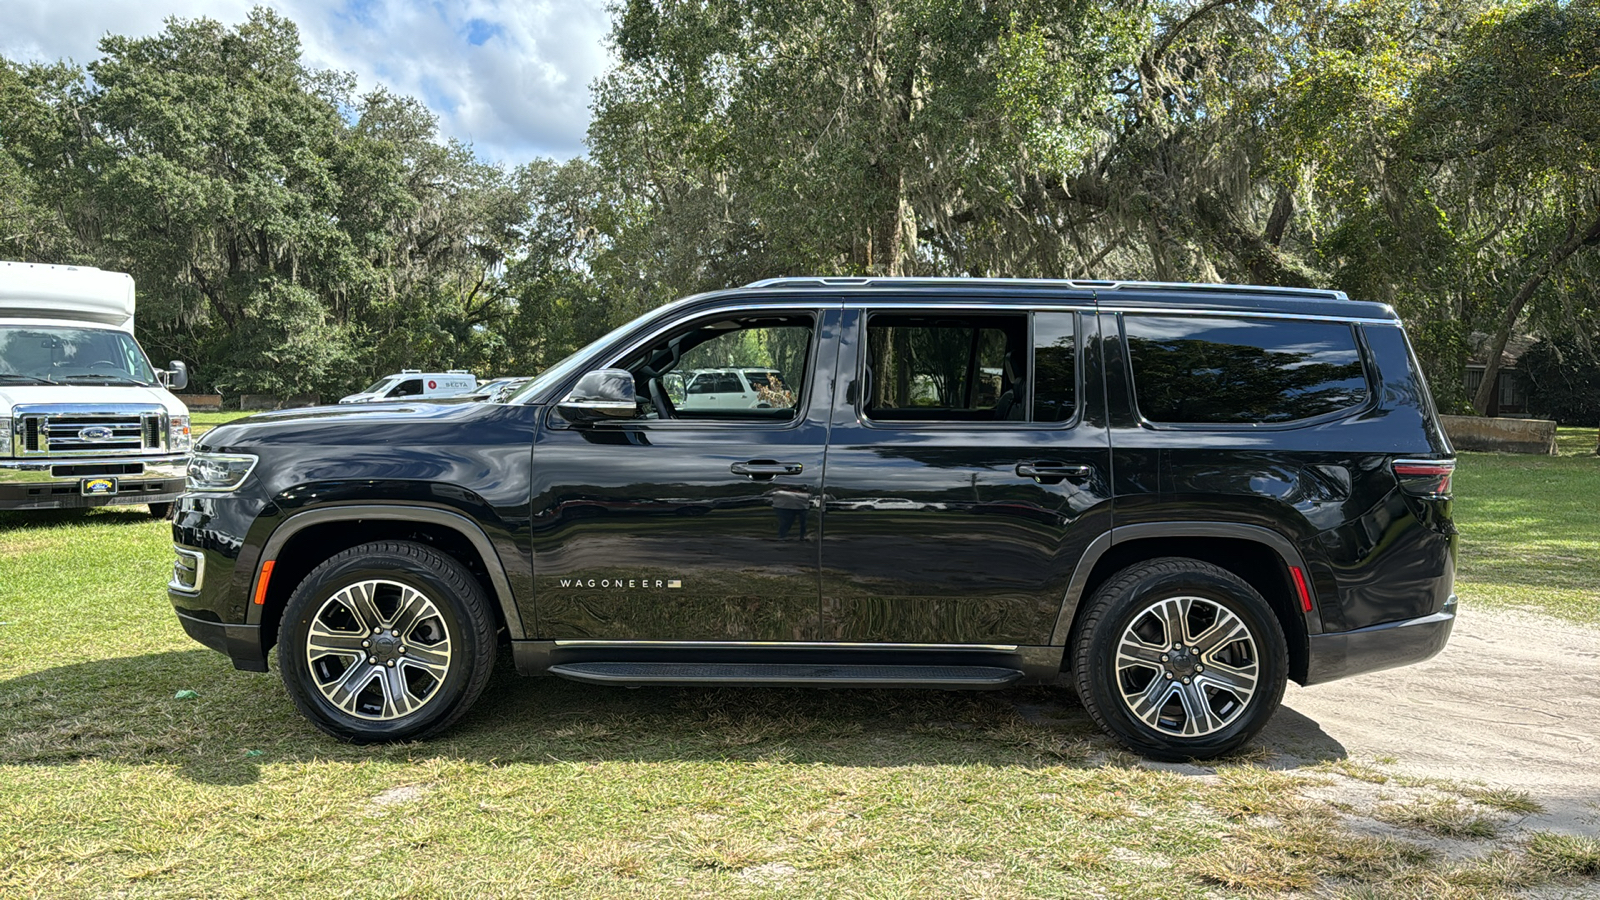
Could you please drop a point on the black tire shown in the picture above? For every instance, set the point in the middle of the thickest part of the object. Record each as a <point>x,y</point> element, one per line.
<point>1119,629</point>
<point>408,693</point>
<point>161,510</point>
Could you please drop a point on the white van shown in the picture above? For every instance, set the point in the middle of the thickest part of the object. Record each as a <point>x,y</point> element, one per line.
<point>408,383</point>
<point>85,420</point>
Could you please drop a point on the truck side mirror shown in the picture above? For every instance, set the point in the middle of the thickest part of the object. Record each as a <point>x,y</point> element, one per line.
<point>177,375</point>
<point>601,394</point>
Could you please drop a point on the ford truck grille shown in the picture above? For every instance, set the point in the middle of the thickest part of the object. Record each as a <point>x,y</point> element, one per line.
<point>88,430</point>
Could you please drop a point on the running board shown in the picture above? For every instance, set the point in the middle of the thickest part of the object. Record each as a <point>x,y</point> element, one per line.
<point>978,678</point>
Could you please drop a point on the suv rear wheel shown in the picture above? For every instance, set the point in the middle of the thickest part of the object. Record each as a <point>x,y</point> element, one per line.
<point>386,641</point>
<point>1179,659</point>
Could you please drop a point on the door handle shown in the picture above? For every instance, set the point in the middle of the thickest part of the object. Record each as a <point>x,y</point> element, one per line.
<point>765,468</point>
<point>1050,472</point>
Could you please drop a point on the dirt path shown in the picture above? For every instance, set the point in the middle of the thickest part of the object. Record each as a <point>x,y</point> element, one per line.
<point>1513,701</point>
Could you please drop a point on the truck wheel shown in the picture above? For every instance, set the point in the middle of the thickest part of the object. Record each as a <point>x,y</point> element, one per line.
<point>386,641</point>
<point>1179,659</point>
<point>161,510</point>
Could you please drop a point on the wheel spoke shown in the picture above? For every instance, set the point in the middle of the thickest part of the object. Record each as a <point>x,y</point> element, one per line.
<point>413,609</point>
<point>358,599</point>
<point>435,660</point>
<point>397,699</point>
<point>1224,631</point>
<point>324,640</point>
<point>1198,717</point>
<point>1136,653</point>
<point>1173,614</point>
<point>1148,702</point>
<point>1239,681</point>
<point>348,687</point>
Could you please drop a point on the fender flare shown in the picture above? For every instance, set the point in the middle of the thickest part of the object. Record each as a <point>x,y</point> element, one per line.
<point>1121,534</point>
<point>454,521</point>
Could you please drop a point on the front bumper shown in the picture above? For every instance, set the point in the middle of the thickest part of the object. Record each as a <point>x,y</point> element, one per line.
<point>1387,646</point>
<point>241,643</point>
<point>44,483</point>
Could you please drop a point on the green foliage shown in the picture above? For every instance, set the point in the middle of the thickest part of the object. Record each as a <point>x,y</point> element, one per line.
<point>287,235</point>
<point>1563,380</point>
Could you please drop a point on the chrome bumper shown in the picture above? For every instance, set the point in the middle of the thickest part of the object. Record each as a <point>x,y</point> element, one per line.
<point>55,482</point>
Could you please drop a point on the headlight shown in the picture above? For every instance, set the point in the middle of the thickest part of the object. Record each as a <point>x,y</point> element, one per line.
<point>5,435</point>
<point>179,438</point>
<point>217,472</point>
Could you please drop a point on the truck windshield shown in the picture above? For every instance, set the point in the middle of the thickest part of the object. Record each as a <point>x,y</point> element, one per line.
<point>381,384</point>
<point>47,354</point>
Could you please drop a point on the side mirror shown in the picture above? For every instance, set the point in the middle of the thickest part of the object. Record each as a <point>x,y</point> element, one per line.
<point>601,394</point>
<point>177,375</point>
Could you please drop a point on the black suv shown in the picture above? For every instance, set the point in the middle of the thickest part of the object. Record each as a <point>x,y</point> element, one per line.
<point>1170,497</point>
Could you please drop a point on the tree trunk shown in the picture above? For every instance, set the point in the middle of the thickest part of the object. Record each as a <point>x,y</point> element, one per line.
<point>1558,255</point>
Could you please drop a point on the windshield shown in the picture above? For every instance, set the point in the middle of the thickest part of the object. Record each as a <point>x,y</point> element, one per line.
<point>48,354</point>
<point>379,385</point>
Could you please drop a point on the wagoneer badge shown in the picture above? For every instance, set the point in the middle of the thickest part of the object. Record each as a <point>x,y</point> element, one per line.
<point>94,433</point>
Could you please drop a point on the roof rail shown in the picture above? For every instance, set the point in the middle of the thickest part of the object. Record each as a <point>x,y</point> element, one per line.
<point>807,281</point>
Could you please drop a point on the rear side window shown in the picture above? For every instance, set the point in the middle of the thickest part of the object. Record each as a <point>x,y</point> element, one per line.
<point>1205,370</point>
<point>946,368</point>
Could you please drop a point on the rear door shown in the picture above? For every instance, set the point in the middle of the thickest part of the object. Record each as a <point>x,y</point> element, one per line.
<point>968,470</point>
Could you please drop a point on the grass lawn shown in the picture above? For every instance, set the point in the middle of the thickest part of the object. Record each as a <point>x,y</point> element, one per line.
<point>1530,529</point>
<point>112,785</point>
<point>205,421</point>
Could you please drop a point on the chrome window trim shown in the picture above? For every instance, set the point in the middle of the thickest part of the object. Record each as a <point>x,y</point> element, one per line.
<point>1242,314</point>
<point>1067,283</point>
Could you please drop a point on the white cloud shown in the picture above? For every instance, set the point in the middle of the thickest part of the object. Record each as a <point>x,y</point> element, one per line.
<point>511,78</point>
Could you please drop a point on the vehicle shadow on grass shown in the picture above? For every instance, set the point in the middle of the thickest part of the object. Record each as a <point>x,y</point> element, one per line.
<point>49,519</point>
<point>137,711</point>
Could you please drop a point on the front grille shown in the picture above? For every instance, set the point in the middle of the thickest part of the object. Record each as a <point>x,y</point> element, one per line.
<point>114,430</point>
<point>84,471</point>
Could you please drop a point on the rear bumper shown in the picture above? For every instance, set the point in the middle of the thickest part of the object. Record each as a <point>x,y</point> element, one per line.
<point>58,483</point>
<point>240,643</point>
<point>1387,646</point>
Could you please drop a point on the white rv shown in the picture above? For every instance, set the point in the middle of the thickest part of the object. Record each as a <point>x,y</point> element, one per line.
<point>85,420</point>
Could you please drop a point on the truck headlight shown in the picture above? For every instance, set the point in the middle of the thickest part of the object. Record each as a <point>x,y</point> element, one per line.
<point>219,472</point>
<point>179,438</point>
<point>5,435</point>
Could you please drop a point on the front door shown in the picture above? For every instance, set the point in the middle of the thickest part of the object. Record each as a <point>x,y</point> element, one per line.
<point>694,521</point>
<point>967,473</point>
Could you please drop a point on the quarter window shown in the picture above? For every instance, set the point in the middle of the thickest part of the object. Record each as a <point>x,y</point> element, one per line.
<point>1204,370</point>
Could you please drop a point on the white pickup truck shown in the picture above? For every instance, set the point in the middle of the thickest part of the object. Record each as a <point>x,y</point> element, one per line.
<point>85,420</point>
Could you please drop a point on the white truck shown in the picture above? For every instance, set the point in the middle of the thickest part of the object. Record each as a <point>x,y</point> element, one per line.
<point>85,420</point>
<point>409,383</point>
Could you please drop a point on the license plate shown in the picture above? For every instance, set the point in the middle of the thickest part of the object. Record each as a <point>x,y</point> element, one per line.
<point>98,487</point>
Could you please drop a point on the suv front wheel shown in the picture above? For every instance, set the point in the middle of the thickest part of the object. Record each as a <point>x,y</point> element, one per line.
<point>386,641</point>
<point>1179,659</point>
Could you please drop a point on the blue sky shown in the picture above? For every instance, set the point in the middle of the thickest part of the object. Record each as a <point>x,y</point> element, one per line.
<point>509,76</point>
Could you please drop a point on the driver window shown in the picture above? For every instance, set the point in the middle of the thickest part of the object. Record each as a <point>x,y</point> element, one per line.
<point>731,367</point>
<point>411,387</point>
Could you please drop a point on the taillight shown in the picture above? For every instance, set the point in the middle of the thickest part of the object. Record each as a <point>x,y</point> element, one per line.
<point>1425,477</point>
